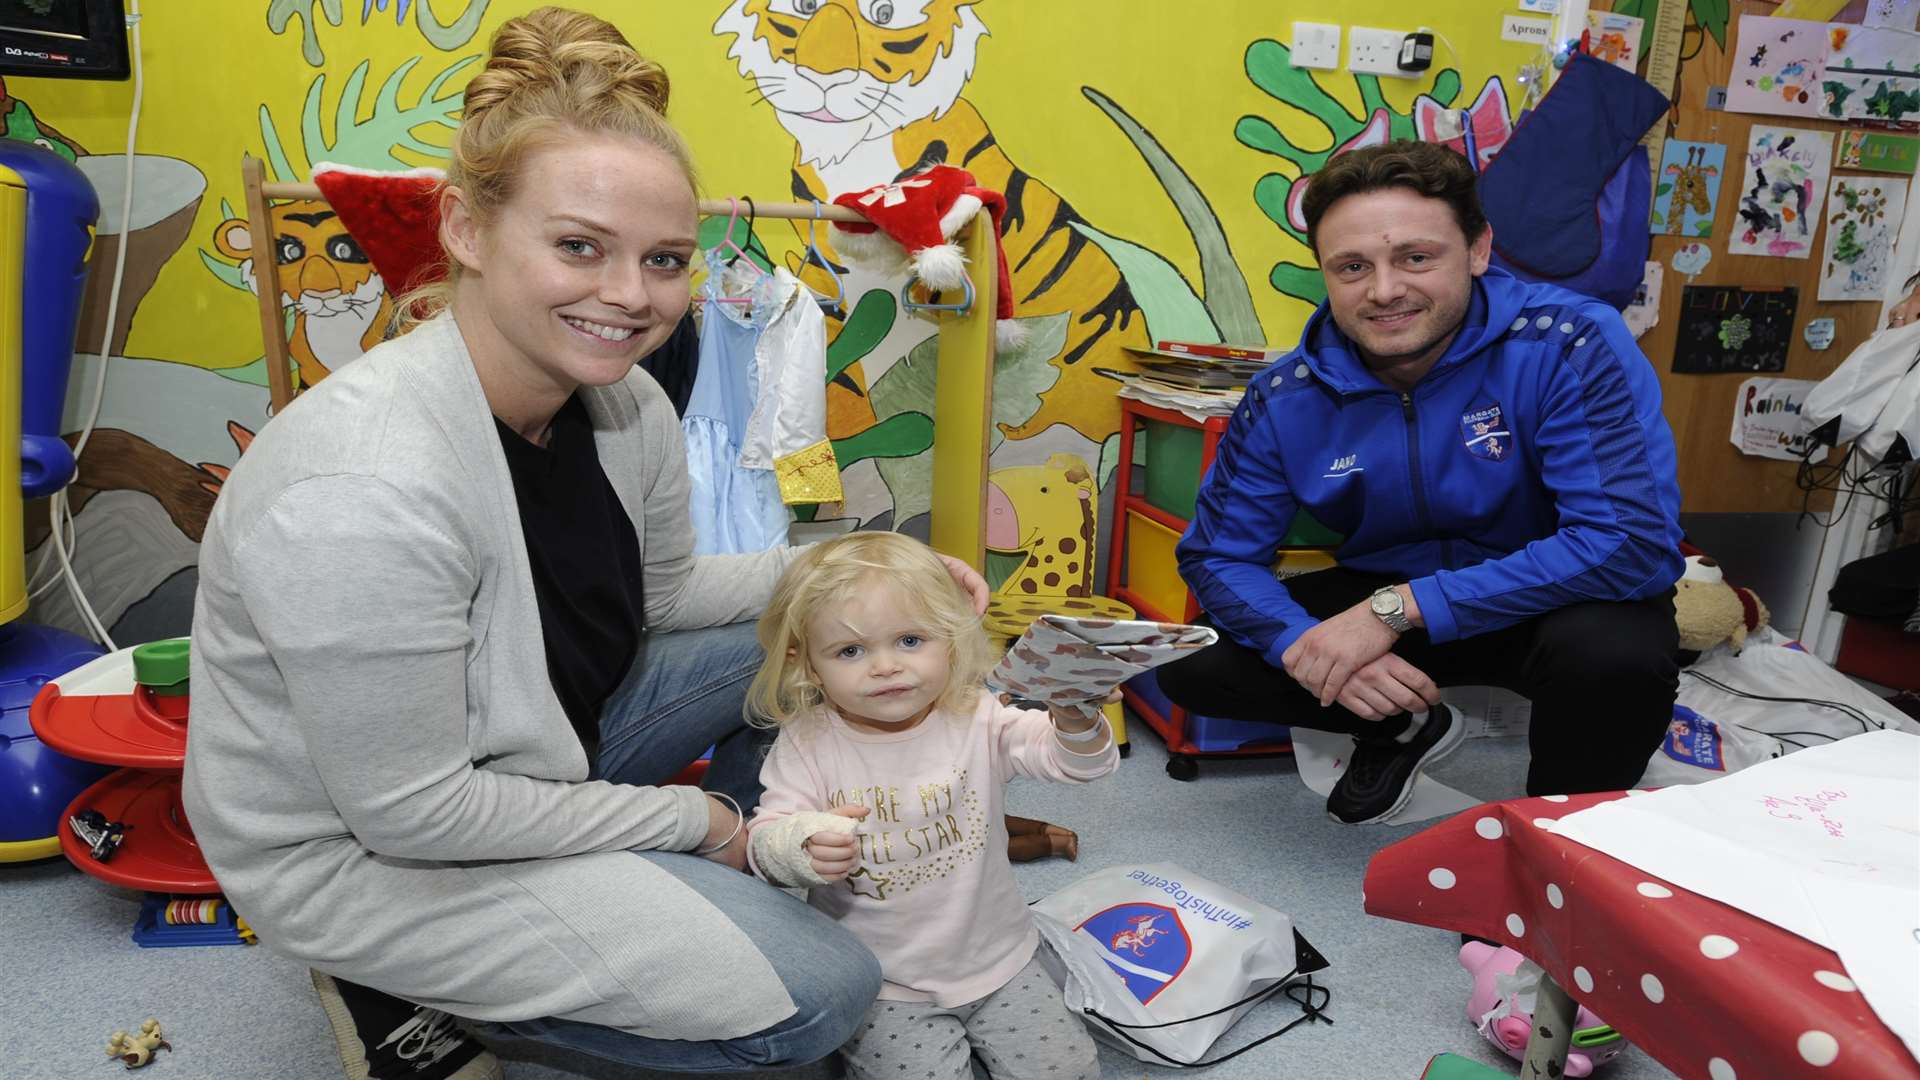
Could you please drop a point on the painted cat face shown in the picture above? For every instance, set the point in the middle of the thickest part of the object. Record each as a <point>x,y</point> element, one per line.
<point>321,268</point>
<point>842,72</point>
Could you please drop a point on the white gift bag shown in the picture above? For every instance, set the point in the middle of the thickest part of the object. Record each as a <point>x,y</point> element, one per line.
<point>1731,705</point>
<point>1160,961</point>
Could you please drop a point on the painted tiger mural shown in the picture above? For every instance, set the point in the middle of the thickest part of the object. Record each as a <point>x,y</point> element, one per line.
<point>870,91</point>
<point>341,307</point>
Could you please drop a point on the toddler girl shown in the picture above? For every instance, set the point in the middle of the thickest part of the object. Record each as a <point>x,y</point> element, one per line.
<point>884,794</point>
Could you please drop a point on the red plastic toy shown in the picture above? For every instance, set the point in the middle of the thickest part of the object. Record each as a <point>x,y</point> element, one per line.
<point>142,727</point>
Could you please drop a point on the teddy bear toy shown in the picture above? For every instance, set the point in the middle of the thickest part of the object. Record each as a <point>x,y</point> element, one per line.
<point>1501,989</point>
<point>137,1050</point>
<point>1710,611</point>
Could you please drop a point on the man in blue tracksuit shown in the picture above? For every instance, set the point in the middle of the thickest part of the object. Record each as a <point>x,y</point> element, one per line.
<point>1495,455</point>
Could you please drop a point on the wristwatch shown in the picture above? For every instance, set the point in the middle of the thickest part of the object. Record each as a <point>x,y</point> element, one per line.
<point>1391,609</point>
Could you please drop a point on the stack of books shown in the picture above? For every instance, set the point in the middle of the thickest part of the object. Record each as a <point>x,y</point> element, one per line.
<point>1202,365</point>
<point>1198,404</point>
<point>1200,379</point>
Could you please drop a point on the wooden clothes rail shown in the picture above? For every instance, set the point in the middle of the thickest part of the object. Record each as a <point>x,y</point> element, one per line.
<point>963,385</point>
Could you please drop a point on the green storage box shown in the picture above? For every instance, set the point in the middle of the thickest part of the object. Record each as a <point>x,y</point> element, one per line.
<point>1173,469</point>
<point>1173,472</point>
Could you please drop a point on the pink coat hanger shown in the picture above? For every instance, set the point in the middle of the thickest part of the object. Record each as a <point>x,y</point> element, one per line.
<point>732,250</point>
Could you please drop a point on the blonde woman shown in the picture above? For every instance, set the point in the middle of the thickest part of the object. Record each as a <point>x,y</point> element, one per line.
<point>883,798</point>
<point>450,636</point>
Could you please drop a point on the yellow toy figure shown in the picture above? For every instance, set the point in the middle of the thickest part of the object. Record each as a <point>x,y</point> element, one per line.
<point>1710,611</point>
<point>137,1050</point>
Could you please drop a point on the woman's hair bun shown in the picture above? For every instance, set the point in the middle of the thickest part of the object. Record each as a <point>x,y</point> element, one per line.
<point>558,48</point>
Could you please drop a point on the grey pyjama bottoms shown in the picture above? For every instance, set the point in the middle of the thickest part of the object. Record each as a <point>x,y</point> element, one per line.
<point>1021,1031</point>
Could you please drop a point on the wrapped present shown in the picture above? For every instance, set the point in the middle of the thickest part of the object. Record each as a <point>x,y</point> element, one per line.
<point>1074,663</point>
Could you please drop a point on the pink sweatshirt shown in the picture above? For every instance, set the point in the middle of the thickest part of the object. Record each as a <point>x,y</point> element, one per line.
<point>933,896</point>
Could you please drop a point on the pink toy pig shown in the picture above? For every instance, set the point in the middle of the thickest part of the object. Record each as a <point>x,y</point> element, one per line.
<point>1490,1009</point>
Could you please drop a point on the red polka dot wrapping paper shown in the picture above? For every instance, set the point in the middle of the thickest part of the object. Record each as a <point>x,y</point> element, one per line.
<point>1709,991</point>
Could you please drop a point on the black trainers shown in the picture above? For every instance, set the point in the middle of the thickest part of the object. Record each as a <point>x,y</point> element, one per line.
<point>384,1038</point>
<point>1379,778</point>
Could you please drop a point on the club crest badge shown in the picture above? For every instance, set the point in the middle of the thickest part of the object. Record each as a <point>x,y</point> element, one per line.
<point>1145,944</point>
<point>1484,429</point>
<point>1693,739</point>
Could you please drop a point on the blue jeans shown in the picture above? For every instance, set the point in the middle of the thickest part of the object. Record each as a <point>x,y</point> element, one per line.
<point>830,976</point>
<point>683,695</point>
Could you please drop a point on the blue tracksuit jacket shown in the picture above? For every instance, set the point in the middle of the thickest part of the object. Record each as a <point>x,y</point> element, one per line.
<point>1531,469</point>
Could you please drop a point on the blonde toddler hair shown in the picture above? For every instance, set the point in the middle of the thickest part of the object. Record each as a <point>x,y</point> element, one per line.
<point>786,687</point>
<point>552,74</point>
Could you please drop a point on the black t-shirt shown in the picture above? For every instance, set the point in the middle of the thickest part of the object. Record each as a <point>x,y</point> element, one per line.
<point>586,565</point>
<point>675,363</point>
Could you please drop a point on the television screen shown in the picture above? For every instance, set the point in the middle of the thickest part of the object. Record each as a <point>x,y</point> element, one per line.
<point>63,18</point>
<point>73,39</point>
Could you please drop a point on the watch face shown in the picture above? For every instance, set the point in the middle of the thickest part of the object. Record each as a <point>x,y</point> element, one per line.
<point>1385,603</point>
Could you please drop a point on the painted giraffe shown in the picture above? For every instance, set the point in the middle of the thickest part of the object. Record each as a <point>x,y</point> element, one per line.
<point>1689,188</point>
<point>1046,513</point>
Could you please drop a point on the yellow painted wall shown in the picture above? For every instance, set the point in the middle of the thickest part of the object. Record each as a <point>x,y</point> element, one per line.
<point>213,66</point>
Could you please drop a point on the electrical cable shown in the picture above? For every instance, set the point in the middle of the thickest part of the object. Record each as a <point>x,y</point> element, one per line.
<point>60,511</point>
<point>46,556</point>
<point>1887,482</point>
<point>1866,722</point>
<point>1444,40</point>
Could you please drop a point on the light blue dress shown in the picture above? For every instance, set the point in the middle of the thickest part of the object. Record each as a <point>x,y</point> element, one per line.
<point>734,509</point>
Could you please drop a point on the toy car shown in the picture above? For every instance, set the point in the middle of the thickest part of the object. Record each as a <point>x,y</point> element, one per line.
<point>103,837</point>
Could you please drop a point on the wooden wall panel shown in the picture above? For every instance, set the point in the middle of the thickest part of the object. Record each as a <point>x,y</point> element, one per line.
<point>1715,477</point>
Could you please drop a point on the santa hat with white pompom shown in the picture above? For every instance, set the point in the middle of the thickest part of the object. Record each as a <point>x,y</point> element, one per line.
<point>914,220</point>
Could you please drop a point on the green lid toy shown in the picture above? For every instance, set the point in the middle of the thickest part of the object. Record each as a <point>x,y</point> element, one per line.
<point>161,666</point>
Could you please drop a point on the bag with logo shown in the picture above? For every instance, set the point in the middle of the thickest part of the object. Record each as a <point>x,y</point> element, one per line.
<point>1773,698</point>
<point>1160,961</point>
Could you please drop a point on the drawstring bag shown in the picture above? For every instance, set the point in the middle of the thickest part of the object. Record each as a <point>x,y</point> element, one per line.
<point>1160,961</point>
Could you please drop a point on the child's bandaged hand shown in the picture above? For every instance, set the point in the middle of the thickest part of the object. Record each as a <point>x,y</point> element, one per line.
<point>808,848</point>
<point>1075,715</point>
<point>834,851</point>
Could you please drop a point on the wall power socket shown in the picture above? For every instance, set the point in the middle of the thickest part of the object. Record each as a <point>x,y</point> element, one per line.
<point>1316,45</point>
<point>1371,51</point>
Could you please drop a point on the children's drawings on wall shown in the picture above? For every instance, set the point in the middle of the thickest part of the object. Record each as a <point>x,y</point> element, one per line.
<point>1872,73</point>
<point>1727,328</point>
<point>1877,151</point>
<point>1839,71</point>
<point>1863,218</point>
<point>1776,66</point>
<point>1689,191</point>
<point>1615,38</point>
<point>1819,334</point>
<point>1780,198</point>
<point>1644,312</point>
<point>1691,259</point>
<point>1766,418</point>
<point>1900,14</point>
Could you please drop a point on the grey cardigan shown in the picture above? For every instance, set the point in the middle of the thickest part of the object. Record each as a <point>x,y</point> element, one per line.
<point>378,770</point>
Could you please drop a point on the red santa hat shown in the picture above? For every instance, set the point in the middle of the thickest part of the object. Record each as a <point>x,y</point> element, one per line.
<point>393,216</point>
<point>914,221</point>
